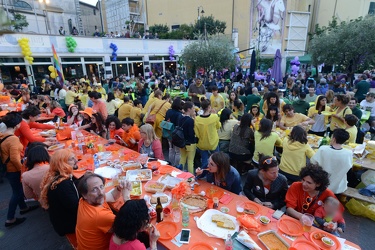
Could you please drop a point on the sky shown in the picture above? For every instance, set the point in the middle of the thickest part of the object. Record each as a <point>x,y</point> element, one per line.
<point>92,2</point>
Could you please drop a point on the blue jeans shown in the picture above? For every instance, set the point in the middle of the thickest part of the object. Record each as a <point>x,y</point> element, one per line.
<point>17,198</point>
<point>205,154</point>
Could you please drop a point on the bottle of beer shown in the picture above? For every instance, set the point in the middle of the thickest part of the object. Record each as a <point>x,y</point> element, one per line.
<point>159,211</point>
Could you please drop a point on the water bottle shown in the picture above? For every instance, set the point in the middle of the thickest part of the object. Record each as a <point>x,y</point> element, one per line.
<point>229,243</point>
<point>367,137</point>
<point>185,216</point>
<point>96,161</point>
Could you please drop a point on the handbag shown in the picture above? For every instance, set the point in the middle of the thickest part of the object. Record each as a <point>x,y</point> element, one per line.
<point>151,118</point>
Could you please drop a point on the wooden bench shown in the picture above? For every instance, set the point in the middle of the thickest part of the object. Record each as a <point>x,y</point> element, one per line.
<point>72,240</point>
<point>353,193</point>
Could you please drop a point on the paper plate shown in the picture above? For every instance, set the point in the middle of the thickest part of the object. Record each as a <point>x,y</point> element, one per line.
<point>200,245</point>
<point>290,226</point>
<point>107,172</point>
<point>214,191</point>
<point>251,208</point>
<point>168,230</point>
<point>327,113</point>
<point>305,245</point>
<point>319,243</point>
<point>166,169</point>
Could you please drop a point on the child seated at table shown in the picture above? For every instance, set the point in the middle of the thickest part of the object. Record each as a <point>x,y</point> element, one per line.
<point>351,128</point>
<point>329,217</point>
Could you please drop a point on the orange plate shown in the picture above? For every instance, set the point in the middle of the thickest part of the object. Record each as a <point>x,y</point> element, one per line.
<point>212,191</point>
<point>153,165</point>
<point>251,206</point>
<point>290,226</point>
<point>166,169</point>
<point>305,245</point>
<point>168,230</point>
<point>131,155</point>
<point>320,244</point>
<point>201,246</point>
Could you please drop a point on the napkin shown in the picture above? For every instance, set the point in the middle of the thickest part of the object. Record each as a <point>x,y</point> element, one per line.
<point>226,199</point>
<point>185,175</point>
<point>175,173</point>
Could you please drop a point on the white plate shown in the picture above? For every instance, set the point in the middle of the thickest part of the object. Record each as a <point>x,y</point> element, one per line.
<point>163,162</point>
<point>158,194</point>
<point>107,172</point>
<point>205,224</point>
<point>104,155</point>
<point>169,181</point>
<point>134,175</point>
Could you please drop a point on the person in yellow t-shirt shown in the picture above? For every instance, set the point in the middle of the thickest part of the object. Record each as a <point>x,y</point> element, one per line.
<point>217,101</point>
<point>350,122</point>
<point>342,109</point>
<point>291,119</point>
<point>135,112</point>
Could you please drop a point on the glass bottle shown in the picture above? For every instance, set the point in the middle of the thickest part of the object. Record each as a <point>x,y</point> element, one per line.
<point>229,243</point>
<point>185,216</point>
<point>159,211</point>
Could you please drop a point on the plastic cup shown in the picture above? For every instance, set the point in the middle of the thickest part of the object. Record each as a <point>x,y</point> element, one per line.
<point>176,215</point>
<point>216,202</point>
<point>74,135</point>
<point>100,147</point>
<point>307,221</point>
<point>240,207</point>
<point>196,188</point>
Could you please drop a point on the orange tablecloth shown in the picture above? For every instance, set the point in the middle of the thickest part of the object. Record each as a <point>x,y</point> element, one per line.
<point>196,234</point>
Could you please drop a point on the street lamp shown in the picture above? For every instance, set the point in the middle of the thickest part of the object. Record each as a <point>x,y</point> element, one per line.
<point>202,11</point>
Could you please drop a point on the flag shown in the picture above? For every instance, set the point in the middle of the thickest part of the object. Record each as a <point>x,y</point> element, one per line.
<point>57,66</point>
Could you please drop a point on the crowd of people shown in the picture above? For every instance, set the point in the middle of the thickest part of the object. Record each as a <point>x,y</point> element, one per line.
<point>231,127</point>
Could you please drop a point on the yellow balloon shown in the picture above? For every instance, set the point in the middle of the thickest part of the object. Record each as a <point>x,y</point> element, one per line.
<point>51,68</point>
<point>52,75</point>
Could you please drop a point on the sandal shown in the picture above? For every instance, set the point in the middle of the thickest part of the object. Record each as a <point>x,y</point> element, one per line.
<point>15,223</point>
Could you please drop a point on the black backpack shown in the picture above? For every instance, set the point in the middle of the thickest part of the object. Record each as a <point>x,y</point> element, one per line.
<point>178,137</point>
<point>3,165</point>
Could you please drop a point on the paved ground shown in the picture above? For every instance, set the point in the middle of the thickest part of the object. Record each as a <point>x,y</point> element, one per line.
<point>36,233</point>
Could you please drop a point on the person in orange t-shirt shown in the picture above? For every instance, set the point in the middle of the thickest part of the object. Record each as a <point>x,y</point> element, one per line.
<point>131,134</point>
<point>94,217</point>
<point>308,195</point>
<point>114,130</point>
<point>99,105</point>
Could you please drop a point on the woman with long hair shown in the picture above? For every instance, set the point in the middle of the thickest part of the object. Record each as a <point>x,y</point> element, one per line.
<point>221,173</point>
<point>225,132</point>
<point>273,99</point>
<point>132,220</point>
<point>265,185</point>
<point>149,143</point>
<point>114,129</point>
<point>295,151</point>
<point>232,97</point>
<point>315,113</point>
<point>37,165</point>
<point>241,146</point>
<point>265,140</point>
<point>238,109</point>
<point>341,109</point>
<point>97,125</point>
<point>11,152</point>
<point>59,194</point>
<point>273,115</point>
<point>54,110</point>
<point>330,95</point>
<point>111,103</point>
<point>159,108</point>
<point>257,115</point>
<point>73,112</point>
<point>186,122</point>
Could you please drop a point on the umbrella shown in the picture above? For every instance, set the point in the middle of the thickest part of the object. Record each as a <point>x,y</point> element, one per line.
<point>253,66</point>
<point>276,68</point>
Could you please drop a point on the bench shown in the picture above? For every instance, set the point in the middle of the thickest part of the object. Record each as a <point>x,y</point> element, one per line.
<point>72,240</point>
<point>353,193</point>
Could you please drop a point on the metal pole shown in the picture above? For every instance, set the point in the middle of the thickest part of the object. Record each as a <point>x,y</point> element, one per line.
<point>36,17</point>
<point>101,15</point>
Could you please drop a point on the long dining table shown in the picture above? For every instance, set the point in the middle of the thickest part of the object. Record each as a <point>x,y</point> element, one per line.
<point>197,235</point>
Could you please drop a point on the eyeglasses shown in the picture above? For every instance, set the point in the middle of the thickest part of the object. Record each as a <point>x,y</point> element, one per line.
<point>269,160</point>
<point>307,203</point>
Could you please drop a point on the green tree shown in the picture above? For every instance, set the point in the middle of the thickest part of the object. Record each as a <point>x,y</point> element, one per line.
<point>216,53</point>
<point>211,25</point>
<point>161,29</point>
<point>183,32</point>
<point>20,22</point>
<point>347,45</point>
<point>5,23</point>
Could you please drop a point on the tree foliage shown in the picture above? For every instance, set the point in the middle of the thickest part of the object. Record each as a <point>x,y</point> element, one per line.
<point>212,26</point>
<point>347,44</point>
<point>20,22</point>
<point>216,53</point>
<point>5,23</point>
<point>161,29</point>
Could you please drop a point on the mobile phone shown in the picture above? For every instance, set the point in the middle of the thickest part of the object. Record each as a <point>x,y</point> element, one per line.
<point>185,236</point>
<point>277,214</point>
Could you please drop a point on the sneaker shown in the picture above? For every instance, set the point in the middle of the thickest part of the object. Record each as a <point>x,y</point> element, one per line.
<point>15,223</point>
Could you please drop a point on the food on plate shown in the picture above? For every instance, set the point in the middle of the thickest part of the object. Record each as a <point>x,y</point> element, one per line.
<point>223,221</point>
<point>136,188</point>
<point>154,199</point>
<point>319,236</point>
<point>153,187</point>
<point>246,240</point>
<point>328,242</point>
<point>264,219</point>
<point>194,202</point>
<point>272,241</point>
<point>130,166</point>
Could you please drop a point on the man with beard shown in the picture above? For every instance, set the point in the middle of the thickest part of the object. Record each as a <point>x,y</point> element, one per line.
<point>94,216</point>
<point>195,90</point>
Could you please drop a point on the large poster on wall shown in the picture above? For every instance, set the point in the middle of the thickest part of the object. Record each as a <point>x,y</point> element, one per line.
<point>267,25</point>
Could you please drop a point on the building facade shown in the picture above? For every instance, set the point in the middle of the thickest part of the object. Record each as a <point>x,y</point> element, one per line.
<point>91,56</point>
<point>90,16</point>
